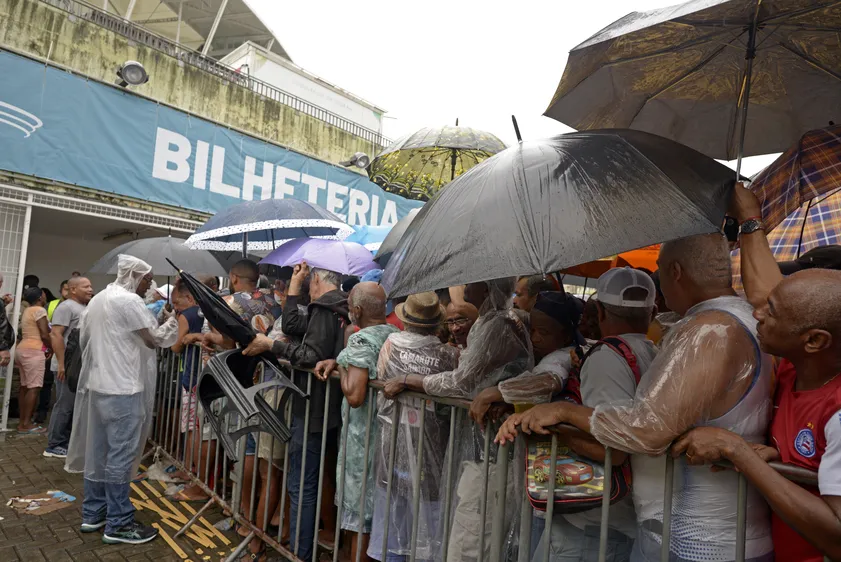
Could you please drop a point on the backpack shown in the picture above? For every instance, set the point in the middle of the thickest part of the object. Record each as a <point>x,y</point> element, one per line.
<point>72,360</point>
<point>579,481</point>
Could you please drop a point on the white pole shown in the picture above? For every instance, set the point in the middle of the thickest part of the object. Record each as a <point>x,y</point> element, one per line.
<point>178,30</point>
<point>24,243</point>
<point>216,21</point>
<point>130,9</point>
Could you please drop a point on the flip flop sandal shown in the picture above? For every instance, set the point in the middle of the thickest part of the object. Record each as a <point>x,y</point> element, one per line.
<point>33,431</point>
<point>254,556</point>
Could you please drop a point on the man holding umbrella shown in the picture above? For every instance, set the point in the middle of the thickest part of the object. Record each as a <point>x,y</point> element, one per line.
<point>799,321</point>
<point>115,400</point>
<point>323,331</point>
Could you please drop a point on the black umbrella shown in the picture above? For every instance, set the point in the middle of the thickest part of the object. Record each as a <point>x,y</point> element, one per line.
<point>217,312</point>
<point>546,205</point>
<point>730,78</point>
<point>233,366</point>
<point>393,238</point>
<point>157,252</point>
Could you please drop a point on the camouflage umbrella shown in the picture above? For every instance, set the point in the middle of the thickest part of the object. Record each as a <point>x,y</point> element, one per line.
<point>417,166</point>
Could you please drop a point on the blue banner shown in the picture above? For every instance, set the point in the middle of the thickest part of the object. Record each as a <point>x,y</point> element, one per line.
<point>61,126</point>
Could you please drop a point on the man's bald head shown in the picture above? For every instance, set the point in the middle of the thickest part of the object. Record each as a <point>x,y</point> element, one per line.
<point>802,315</point>
<point>692,268</point>
<point>79,289</point>
<point>366,303</point>
<point>210,281</point>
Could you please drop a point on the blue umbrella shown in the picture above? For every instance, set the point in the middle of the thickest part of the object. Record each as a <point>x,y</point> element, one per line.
<point>369,236</point>
<point>264,225</point>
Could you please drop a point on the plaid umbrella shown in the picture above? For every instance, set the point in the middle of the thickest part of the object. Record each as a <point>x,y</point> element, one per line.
<point>807,170</point>
<point>816,223</point>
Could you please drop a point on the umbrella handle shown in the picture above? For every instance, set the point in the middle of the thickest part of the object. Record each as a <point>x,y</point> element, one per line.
<point>742,112</point>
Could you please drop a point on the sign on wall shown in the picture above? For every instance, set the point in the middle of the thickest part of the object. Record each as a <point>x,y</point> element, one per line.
<point>61,126</point>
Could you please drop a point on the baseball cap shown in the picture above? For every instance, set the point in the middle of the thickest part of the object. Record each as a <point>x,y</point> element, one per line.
<point>822,257</point>
<point>614,283</point>
<point>165,291</point>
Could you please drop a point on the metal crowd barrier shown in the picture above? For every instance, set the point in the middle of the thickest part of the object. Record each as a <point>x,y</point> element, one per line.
<point>215,481</point>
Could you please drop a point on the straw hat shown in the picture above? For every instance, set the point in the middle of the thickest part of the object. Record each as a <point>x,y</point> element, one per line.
<point>421,310</point>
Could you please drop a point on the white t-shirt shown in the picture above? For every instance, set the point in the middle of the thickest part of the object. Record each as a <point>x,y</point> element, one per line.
<point>829,471</point>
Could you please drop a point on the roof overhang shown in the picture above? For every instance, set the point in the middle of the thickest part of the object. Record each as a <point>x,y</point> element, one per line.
<point>239,23</point>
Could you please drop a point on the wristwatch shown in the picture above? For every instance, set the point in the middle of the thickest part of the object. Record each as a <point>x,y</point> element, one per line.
<point>750,226</point>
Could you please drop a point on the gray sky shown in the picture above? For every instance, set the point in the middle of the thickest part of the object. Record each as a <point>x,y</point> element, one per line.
<point>432,62</point>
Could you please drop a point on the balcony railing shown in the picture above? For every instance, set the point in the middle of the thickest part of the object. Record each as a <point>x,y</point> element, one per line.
<point>143,36</point>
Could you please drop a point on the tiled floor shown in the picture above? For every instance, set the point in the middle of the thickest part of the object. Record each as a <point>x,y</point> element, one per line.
<point>55,537</point>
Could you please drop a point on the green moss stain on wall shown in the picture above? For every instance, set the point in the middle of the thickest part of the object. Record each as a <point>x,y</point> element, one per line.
<point>36,28</point>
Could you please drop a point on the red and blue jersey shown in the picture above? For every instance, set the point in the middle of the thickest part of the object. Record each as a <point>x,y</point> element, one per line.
<point>806,430</point>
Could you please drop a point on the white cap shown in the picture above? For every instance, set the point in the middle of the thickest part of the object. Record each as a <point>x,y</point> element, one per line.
<point>614,283</point>
<point>165,291</point>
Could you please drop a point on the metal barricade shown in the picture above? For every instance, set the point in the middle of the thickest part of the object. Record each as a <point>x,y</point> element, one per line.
<point>178,438</point>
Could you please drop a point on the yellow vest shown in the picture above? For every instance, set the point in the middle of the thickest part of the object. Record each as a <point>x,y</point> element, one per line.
<point>51,308</point>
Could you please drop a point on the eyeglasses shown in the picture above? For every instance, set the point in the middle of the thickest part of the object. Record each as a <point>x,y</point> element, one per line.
<point>457,322</point>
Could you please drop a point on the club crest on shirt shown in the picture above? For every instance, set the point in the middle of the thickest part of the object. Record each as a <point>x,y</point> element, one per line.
<point>805,443</point>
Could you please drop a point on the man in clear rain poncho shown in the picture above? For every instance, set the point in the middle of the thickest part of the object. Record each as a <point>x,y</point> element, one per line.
<point>415,352</point>
<point>710,372</point>
<point>498,348</point>
<point>115,400</point>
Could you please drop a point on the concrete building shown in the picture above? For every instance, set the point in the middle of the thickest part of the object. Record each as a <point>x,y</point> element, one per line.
<point>87,164</point>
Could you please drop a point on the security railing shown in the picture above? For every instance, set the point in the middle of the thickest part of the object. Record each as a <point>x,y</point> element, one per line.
<point>497,474</point>
<point>143,36</point>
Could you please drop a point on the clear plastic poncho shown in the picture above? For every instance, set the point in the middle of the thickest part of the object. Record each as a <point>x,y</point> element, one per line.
<point>498,348</point>
<point>116,391</point>
<point>407,353</point>
<point>709,360</point>
<point>539,385</point>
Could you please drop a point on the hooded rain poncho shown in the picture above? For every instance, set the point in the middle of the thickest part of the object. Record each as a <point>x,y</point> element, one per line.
<point>117,381</point>
<point>498,349</point>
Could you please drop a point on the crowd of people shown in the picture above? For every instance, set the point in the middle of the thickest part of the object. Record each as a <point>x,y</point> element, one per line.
<point>673,363</point>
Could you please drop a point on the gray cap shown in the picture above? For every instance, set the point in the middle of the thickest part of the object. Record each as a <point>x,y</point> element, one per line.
<point>614,283</point>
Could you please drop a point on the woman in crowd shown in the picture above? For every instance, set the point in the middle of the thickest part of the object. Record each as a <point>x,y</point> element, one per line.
<point>30,356</point>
